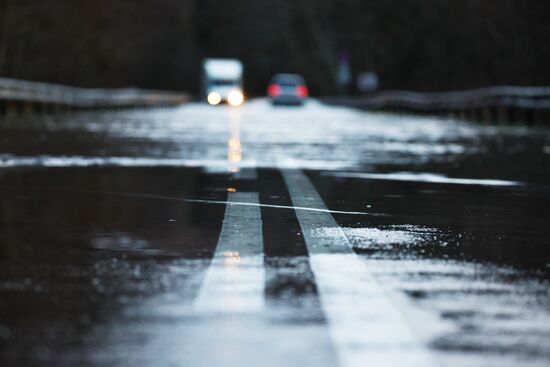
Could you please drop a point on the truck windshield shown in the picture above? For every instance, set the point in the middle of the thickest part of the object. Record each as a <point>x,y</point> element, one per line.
<point>222,83</point>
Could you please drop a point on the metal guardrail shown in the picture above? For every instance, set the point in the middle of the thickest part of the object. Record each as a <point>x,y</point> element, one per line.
<point>530,105</point>
<point>27,93</point>
<point>502,96</point>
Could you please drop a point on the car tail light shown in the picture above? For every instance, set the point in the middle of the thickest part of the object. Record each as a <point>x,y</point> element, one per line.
<point>302,91</point>
<point>273,90</point>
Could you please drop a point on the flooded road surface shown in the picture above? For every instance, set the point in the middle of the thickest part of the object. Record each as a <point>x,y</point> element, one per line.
<point>261,236</point>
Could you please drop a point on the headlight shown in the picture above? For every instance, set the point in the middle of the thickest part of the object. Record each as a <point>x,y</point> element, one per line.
<point>235,98</point>
<point>214,98</point>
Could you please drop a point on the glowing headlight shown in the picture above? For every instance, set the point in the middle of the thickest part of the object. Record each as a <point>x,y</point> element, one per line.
<point>235,98</point>
<point>214,98</point>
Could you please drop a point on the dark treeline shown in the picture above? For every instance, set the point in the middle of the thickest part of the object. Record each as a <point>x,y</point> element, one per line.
<point>411,44</point>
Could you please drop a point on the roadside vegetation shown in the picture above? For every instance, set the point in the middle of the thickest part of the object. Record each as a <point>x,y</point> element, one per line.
<point>412,44</point>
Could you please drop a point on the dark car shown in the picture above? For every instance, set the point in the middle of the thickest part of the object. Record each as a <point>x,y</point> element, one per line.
<point>288,89</point>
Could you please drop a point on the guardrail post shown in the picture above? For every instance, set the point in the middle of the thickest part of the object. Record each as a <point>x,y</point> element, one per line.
<point>20,108</point>
<point>511,115</point>
<point>469,114</point>
<point>502,113</point>
<point>530,117</point>
<point>543,117</point>
<point>56,108</point>
<point>478,115</point>
<point>9,109</point>
<point>536,116</point>
<point>495,112</point>
<point>521,115</point>
<point>36,108</point>
<point>487,115</point>
<point>27,108</point>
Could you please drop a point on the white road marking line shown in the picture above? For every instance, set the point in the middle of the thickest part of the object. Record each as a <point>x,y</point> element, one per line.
<point>221,202</point>
<point>367,328</point>
<point>279,207</point>
<point>229,323</point>
<point>235,280</point>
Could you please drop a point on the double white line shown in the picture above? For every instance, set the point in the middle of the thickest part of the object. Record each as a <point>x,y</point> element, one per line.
<point>366,328</point>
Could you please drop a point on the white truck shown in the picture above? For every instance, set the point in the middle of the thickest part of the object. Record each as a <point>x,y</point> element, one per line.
<point>222,81</point>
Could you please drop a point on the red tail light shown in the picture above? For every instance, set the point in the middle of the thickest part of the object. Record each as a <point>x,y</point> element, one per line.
<point>273,90</point>
<point>302,91</point>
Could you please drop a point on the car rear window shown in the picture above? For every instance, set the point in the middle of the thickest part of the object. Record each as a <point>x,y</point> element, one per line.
<point>288,80</point>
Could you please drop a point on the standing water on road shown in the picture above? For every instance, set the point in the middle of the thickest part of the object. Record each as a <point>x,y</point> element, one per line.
<point>314,236</point>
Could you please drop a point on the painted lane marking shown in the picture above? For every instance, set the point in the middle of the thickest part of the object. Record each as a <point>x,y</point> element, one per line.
<point>366,327</point>
<point>217,202</point>
<point>227,323</point>
<point>235,280</point>
<point>279,207</point>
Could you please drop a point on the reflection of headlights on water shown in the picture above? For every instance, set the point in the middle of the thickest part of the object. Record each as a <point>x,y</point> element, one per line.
<point>235,98</point>
<point>214,98</point>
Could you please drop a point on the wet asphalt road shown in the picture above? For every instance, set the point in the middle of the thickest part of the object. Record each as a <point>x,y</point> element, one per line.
<point>314,236</point>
